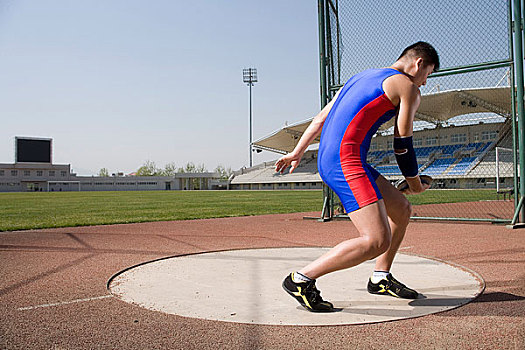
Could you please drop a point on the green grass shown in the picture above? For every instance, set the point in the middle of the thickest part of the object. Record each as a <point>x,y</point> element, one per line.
<point>452,196</point>
<point>19,211</point>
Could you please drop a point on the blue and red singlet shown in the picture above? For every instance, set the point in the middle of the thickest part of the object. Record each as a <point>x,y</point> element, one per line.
<point>360,109</point>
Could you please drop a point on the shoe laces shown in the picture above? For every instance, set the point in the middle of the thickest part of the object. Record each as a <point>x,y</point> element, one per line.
<point>393,282</point>
<point>313,292</point>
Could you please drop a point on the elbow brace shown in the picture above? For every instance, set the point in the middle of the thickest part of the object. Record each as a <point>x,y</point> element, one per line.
<point>406,156</point>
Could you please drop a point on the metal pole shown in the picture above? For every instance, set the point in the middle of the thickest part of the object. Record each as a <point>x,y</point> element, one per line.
<point>249,77</point>
<point>497,169</point>
<point>468,66</point>
<point>513,112</point>
<point>518,59</point>
<point>322,54</point>
<point>251,155</point>
<point>472,68</point>
<point>327,202</point>
<point>515,218</point>
<point>501,221</point>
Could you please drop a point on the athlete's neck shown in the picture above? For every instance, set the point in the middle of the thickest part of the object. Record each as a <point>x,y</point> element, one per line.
<point>401,67</point>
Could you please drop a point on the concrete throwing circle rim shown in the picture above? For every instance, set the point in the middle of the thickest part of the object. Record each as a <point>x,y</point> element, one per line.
<point>258,298</point>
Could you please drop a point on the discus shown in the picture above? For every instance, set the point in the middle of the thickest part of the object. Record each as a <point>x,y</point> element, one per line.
<point>402,185</point>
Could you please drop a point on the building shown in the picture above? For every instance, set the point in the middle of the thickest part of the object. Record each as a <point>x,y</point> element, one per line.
<point>34,171</point>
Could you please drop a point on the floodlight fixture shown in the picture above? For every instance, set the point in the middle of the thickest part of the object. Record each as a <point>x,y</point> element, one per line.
<point>249,76</point>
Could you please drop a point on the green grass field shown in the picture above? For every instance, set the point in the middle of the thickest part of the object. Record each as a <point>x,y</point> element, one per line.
<point>63,209</point>
<point>19,211</point>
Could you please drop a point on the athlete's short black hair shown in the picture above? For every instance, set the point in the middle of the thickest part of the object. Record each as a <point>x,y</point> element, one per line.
<point>424,50</point>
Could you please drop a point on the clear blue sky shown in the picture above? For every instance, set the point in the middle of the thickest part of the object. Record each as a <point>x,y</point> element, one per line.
<point>117,83</point>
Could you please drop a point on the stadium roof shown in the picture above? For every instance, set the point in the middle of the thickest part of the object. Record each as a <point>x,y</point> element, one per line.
<point>435,108</point>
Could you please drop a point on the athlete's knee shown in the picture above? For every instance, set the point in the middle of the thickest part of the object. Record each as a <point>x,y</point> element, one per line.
<point>401,212</point>
<point>377,244</point>
<point>406,210</point>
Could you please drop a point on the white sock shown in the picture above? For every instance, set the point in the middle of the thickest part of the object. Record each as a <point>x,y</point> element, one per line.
<point>378,276</point>
<point>298,277</point>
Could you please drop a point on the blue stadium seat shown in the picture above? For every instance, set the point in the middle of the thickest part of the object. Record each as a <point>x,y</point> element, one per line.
<point>483,147</point>
<point>438,166</point>
<point>425,152</point>
<point>375,156</point>
<point>450,149</point>
<point>461,167</point>
<point>388,170</point>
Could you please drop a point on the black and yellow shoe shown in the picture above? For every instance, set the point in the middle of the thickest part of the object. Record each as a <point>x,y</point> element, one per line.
<point>307,295</point>
<point>391,286</point>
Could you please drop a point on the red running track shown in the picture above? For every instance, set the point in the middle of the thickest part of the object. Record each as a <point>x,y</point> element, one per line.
<point>53,287</point>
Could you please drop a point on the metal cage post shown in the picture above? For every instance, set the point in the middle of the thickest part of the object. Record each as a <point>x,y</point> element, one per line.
<point>327,211</point>
<point>518,62</point>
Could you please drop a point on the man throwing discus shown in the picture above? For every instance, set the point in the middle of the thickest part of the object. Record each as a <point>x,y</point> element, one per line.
<point>379,211</point>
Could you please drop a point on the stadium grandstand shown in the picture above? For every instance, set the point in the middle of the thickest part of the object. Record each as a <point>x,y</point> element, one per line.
<point>473,152</point>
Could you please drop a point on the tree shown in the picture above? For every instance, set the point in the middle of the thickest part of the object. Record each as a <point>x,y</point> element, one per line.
<point>201,169</point>
<point>170,169</point>
<point>224,173</point>
<point>104,172</point>
<point>192,168</point>
<point>149,169</point>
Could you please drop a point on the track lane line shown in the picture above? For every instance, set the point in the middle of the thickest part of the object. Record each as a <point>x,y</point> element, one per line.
<point>64,303</point>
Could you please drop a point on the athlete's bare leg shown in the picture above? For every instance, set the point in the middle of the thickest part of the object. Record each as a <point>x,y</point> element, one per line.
<point>374,229</point>
<point>399,210</point>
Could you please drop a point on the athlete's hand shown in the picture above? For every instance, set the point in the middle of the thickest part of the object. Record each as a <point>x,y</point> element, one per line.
<point>287,160</point>
<point>416,186</point>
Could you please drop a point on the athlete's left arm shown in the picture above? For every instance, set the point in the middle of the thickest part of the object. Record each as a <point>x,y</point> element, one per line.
<point>312,131</point>
<point>315,127</point>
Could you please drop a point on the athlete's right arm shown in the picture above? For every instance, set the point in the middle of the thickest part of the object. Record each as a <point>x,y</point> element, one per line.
<point>312,131</point>
<point>410,98</point>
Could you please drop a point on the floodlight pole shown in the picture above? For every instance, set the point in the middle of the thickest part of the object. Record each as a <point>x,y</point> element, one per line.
<point>249,77</point>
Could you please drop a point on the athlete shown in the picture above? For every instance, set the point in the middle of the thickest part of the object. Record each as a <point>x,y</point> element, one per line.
<point>378,210</point>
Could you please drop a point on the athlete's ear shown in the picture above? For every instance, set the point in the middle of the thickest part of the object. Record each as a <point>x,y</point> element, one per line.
<point>419,63</point>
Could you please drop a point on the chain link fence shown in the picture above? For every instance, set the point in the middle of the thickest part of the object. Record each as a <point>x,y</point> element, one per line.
<point>468,150</point>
